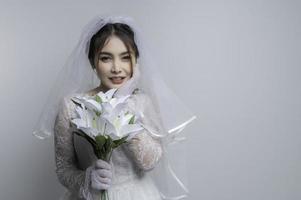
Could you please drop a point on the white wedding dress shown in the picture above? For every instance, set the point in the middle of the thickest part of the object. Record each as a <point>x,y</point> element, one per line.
<point>131,162</point>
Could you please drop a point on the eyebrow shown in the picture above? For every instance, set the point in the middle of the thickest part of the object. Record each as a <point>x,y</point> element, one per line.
<point>108,53</point>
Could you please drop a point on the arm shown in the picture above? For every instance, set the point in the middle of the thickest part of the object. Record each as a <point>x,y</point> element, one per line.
<point>67,171</point>
<point>144,148</point>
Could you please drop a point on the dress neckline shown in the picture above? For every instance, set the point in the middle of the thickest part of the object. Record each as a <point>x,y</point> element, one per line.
<point>90,93</point>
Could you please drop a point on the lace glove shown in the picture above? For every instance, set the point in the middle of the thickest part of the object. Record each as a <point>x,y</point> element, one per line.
<point>101,175</point>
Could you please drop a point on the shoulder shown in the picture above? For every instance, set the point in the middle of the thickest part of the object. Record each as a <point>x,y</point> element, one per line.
<point>67,100</point>
<point>139,95</point>
<point>67,104</point>
<point>140,100</point>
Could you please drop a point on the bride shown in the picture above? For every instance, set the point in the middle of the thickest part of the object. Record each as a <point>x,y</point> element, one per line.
<point>111,51</point>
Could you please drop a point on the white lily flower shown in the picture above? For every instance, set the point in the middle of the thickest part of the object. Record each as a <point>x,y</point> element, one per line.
<point>89,122</point>
<point>114,105</point>
<point>92,104</point>
<point>118,125</point>
<point>113,119</point>
<point>106,100</point>
<point>115,101</point>
<point>106,97</point>
<point>89,102</point>
<point>109,111</point>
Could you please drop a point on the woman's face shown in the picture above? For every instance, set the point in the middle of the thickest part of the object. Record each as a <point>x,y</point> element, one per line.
<point>113,63</point>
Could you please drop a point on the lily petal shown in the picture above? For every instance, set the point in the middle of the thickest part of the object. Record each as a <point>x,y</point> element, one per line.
<point>130,129</point>
<point>93,105</point>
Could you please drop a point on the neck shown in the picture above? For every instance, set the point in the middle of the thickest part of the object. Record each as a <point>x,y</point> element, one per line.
<point>102,88</point>
<point>98,89</point>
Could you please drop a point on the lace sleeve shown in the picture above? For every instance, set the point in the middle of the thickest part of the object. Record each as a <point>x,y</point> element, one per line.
<point>145,149</point>
<point>67,171</point>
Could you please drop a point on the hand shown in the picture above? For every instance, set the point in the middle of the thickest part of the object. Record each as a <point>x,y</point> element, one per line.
<point>101,175</point>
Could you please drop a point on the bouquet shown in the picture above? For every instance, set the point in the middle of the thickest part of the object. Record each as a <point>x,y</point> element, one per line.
<point>105,123</point>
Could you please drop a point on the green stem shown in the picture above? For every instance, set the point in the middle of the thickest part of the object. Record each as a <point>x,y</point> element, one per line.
<point>104,195</point>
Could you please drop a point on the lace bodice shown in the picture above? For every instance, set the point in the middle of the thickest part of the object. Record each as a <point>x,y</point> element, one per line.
<point>74,156</point>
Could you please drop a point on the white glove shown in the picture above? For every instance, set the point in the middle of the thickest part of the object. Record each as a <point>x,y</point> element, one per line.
<point>101,175</point>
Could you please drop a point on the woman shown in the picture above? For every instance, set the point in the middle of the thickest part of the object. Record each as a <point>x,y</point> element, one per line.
<point>112,47</point>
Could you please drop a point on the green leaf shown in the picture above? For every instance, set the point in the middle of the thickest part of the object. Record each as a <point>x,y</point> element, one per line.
<point>87,137</point>
<point>100,141</point>
<point>97,113</point>
<point>132,119</point>
<point>98,99</point>
<point>119,142</point>
<point>97,144</point>
<point>98,153</point>
<point>108,145</point>
<point>94,124</point>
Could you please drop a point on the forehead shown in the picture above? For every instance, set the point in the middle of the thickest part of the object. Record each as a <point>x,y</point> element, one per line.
<point>114,45</point>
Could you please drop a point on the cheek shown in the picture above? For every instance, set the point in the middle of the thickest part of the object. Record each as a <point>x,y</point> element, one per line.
<point>103,68</point>
<point>128,68</point>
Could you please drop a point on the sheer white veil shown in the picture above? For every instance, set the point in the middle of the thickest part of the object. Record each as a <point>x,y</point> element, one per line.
<point>77,76</point>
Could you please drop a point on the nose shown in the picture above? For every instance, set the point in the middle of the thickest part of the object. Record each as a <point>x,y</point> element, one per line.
<point>116,67</point>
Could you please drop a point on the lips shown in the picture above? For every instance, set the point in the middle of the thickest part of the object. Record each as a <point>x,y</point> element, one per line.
<point>117,79</point>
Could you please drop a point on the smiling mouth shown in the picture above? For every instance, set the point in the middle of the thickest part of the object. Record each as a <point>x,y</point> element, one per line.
<point>117,80</point>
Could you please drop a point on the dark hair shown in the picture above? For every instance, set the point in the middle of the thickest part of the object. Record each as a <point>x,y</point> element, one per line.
<point>122,31</point>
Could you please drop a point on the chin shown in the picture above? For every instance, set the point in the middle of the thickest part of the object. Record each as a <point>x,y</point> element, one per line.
<point>112,86</point>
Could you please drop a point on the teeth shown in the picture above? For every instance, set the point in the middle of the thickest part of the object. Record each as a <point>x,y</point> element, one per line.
<point>118,78</point>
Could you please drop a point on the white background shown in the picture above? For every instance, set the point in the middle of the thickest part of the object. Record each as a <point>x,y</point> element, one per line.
<point>237,63</point>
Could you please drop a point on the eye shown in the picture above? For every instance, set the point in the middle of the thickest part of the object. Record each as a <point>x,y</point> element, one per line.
<point>105,58</point>
<point>126,57</point>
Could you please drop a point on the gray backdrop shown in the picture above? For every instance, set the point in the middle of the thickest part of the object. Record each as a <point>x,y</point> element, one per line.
<point>237,63</point>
